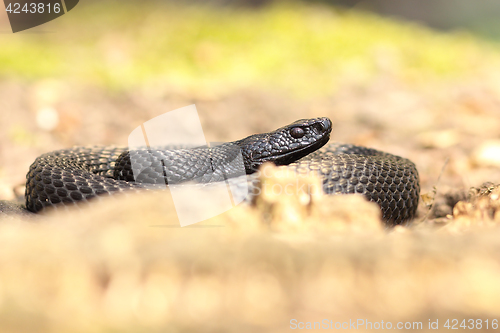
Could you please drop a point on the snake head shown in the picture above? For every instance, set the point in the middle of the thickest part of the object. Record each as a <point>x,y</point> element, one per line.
<point>286,144</point>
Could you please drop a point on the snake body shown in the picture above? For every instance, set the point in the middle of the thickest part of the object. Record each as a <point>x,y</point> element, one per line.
<point>67,177</point>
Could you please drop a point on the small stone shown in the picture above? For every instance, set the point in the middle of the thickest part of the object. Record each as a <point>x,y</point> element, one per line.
<point>438,139</point>
<point>487,154</point>
<point>47,118</point>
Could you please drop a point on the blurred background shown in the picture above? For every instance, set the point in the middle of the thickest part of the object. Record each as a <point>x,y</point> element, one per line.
<point>478,17</point>
<point>390,75</point>
<point>417,78</point>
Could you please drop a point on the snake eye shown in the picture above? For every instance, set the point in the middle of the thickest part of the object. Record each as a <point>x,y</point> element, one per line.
<point>297,132</point>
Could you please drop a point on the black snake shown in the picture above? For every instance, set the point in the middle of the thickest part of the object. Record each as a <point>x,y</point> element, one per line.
<point>65,177</point>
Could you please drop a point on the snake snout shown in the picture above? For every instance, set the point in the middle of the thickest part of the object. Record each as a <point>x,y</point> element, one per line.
<point>322,126</point>
<point>326,124</point>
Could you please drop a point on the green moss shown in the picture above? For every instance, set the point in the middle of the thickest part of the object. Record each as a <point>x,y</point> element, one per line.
<point>305,49</point>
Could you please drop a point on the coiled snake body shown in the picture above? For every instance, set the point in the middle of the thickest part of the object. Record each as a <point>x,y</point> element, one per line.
<point>66,177</point>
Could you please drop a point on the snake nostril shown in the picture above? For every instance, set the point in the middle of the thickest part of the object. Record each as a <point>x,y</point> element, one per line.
<point>322,126</point>
<point>325,124</point>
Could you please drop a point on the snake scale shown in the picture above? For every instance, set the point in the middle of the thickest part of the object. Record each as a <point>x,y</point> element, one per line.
<point>66,177</point>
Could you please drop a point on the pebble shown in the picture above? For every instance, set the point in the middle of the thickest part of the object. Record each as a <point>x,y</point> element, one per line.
<point>487,154</point>
<point>438,139</point>
<point>47,118</point>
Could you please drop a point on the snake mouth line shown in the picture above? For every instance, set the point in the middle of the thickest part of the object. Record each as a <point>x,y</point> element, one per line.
<point>292,156</point>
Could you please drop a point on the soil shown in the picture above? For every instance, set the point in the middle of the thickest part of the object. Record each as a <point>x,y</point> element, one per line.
<point>128,266</point>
